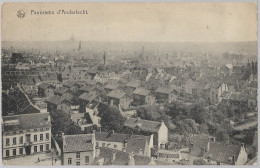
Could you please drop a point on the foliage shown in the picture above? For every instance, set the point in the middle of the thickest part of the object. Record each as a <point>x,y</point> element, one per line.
<point>61,123</point>
<point>111,118</point>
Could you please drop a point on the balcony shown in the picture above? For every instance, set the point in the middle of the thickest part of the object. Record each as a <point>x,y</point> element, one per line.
<point>27,143</point>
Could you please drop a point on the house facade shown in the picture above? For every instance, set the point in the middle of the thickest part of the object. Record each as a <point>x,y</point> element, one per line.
<point>78,150</point>
<point>26,134</point>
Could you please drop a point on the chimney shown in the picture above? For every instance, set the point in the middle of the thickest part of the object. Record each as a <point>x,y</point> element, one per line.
<point>131,161</point>
<point>125,143</point>
<point>208,146</point>
<point>162,122</point>
<point>113,157</point>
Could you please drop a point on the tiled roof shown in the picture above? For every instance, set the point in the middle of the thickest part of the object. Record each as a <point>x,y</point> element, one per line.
<point>121,158</point>
<point>61,90</point>
<point>87,88</point>
<point>44,85</point>
<point>77,143</point>
<point>22,102</point>
<point>221,152</point>
<point>164,90</point>
<point>58,99</point>
<point>134,142</point>
<point>70,84</point>
<point>145,125</point>
<point>133,84</point>
<point>111,86</point>
<point>118,94</point>
<point>26,121</point>
<point>140,91</point>
<point>89,96</point>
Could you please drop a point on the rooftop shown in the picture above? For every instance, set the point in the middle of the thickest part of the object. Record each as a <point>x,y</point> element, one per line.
<point>77,143</point>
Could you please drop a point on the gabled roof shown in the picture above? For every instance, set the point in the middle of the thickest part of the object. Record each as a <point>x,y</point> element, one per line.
<point>87,88</point>
<point>111,86</point>
<point>26,121</point>
<point>58,99</point>
<point>165,90</point>
<point>134,83</point>
<point>118,94</point>
<point>143,92</point>
<point>89,96</point>
<point>61,90</point>
<point>78,143</point>
<point>70,84</point>
<point>45,85</point>
<point>221,152</point>
<point>145,125</point>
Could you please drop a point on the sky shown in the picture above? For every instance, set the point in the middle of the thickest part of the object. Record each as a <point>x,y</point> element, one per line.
<point>151,22</point>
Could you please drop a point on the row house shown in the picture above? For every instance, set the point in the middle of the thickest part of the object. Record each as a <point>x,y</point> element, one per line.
<point>78,150</point>
<point>86,98</point>
<point>62,103</point>
<point>26,134</point>
<point>119,98</point>
<point>142,96</point>
<point>138,144</point>
<point>159,130</point>
<point>45,90</point>
<point>216,90</point>
<point>166,94</point>
<point>73,86</point>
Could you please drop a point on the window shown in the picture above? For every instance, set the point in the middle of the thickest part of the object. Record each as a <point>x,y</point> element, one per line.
<point>41,148</point>
<point>14,141</point>
<point>21,140</point>
<point>47,146</point>
<point>108,145</point>
<point>35,149</point>
<point>7,141</point>
<point>78,163</point>
<point>20,151</point>
<point>78,155</point>
<point>47,136</point>
<point>35,138</point>
<point>103,144</point>
<point>218,163</point>
<point>115,146</point>
<point>96,144</point>
<point>41,137</point>
<point>86,159</point>
<point>69,161</point>
<point>7,153</point>
<point>14,152</point>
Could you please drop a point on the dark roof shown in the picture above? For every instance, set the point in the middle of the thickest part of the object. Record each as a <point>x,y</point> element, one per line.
<point>45,85</point>
<point>89,96</point>
<point>77,143</point>
<point>221,152</point>
<point>165,90</point>
<point>26,121</point>
<point>87,88</point>
<point>134,142</point>
<point>145,125</point>
<point>22,102</point>
<point>58,99</point>
<point>70,84</point>
<point>61,90</point>
<point>121,158</point>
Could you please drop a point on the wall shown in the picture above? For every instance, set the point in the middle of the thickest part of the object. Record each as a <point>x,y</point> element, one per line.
<point>81,159</point>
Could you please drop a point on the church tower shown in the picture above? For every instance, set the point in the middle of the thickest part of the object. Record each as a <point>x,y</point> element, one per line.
<point>104,58</point>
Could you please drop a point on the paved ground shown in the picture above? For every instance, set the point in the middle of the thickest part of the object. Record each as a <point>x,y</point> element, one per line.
<point>45,160</point>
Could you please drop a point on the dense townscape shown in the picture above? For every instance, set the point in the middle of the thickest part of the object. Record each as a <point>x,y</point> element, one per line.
<point>136,105</point>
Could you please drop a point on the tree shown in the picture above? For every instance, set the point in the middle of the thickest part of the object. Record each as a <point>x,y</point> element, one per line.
<point>111,118</point>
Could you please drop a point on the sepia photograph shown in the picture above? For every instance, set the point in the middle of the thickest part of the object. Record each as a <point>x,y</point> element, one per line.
<point>129,83</point>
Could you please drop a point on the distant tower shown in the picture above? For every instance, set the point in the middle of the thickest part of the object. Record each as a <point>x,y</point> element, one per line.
<point>104,58</point>
<point>79,45</point>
